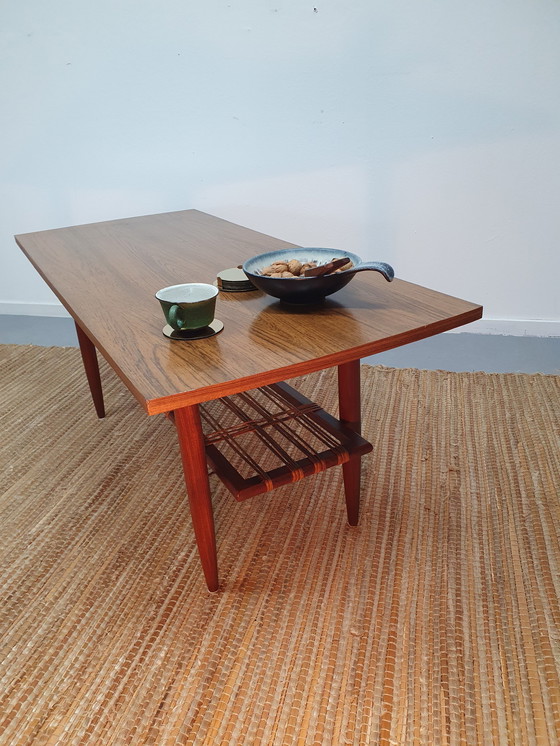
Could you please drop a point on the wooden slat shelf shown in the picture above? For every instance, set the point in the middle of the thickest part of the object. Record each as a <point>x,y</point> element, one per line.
<point>271,436</point>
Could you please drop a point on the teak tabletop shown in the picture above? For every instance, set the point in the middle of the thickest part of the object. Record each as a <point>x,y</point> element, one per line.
<point>106,275</point>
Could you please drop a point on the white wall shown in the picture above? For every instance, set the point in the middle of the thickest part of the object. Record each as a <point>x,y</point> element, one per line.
<point>426,134</point>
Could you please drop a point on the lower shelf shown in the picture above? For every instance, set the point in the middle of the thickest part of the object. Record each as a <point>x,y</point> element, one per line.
<point>262,439</point>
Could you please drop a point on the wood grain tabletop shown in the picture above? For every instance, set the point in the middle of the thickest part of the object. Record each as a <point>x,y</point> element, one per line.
<point>106,275</point>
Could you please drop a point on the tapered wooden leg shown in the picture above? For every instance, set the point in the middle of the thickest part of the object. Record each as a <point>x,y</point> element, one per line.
<point>91,365</point>
<point>193,454</point>
<point>350,414</point>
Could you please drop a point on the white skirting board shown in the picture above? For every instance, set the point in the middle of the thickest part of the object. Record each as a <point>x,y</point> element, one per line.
<point>33,309</point>
<point>509,327</point>
<point>512,327</point>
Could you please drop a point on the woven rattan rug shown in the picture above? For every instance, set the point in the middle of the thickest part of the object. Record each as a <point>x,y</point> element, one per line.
<point>435,621</point>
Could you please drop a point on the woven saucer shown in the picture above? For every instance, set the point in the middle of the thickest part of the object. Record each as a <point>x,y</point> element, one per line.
<point>206,331</point>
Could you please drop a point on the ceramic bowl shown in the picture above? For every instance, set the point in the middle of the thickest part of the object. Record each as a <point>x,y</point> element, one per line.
<point>309,289</point>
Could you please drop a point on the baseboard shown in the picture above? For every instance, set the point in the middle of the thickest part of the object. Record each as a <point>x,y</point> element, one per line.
<point>512,327</point>
<point>15,308</point>
<point>507,327</point>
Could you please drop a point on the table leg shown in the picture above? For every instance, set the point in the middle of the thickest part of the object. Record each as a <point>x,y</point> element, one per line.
<point>350,414</point>
<point>91,365</point>
<point>193,454</point>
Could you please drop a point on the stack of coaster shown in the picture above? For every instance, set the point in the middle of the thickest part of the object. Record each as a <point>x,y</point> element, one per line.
<point>234,280</point>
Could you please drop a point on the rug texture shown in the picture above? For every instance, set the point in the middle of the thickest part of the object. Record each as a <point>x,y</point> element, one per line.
<point>435,621</point>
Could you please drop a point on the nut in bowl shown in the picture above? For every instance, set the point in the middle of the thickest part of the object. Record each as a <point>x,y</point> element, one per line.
<point>296,275</point>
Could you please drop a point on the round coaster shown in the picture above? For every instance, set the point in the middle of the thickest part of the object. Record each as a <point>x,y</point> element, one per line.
<point>233,280</point>
<point>207,331</point>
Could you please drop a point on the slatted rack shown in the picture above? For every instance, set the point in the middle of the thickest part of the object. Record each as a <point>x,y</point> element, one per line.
<point>259,440</point>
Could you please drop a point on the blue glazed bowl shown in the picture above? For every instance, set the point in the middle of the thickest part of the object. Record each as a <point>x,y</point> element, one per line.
<point>308,289</point>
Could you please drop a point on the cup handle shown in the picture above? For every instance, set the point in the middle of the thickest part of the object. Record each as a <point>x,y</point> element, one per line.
<point>174,319</point>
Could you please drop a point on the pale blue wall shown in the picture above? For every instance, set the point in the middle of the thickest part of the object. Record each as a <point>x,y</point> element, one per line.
<point>426,134</point>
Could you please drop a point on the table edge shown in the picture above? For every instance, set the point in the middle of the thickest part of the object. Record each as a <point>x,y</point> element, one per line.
<point>160,405</point>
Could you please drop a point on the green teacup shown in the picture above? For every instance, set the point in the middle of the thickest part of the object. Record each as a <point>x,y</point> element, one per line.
<point>189,306</point>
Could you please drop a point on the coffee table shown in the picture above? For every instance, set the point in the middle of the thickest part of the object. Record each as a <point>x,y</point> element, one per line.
<point>106,274</point>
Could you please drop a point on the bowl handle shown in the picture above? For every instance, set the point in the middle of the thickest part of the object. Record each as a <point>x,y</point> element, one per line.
<point>386,270</point>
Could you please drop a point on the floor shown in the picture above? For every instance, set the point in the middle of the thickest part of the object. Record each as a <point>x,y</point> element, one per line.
<point>455,352</point>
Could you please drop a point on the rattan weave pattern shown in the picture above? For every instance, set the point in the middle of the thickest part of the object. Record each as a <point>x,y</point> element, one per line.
<point>435,621</point>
